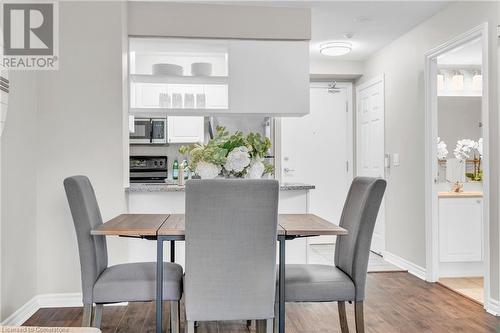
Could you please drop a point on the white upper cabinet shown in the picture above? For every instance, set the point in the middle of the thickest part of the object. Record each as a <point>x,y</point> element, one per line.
<point>269,77</point>
<point>181,129</point>
<point>240,77</point>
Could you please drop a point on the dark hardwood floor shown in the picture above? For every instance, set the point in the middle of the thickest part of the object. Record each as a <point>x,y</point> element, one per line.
<point>396,302</point>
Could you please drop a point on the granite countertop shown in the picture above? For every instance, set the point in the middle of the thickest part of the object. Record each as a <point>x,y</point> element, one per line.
<point>464,194</point>
<point>154,187</point>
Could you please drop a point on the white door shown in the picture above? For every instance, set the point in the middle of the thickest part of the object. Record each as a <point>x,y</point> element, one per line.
<point>370,144</point>
<point>317,149</point>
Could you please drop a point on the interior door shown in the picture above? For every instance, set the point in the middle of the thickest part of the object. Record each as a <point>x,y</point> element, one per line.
<point>317,149</point>
<point>370,145</point>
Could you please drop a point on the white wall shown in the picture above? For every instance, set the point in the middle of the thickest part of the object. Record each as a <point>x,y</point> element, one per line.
<point>79,132</point>
<point>402,62</point>
<point>18,179</point>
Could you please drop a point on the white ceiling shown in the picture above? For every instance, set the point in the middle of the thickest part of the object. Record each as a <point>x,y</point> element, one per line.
<point>467,54</point>
<point>373,23</point>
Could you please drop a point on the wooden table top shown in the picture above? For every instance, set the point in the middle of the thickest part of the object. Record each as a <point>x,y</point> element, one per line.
<point>144,225</point>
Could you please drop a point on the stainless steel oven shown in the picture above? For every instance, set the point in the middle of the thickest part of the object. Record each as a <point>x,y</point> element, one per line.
<point>148,169</point>
<point>149,131</point>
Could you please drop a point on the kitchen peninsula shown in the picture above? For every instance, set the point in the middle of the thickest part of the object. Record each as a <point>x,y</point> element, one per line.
<point>170,199</point>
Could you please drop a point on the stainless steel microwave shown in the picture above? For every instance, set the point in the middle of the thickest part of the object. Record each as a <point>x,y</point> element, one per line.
<point>149,131</point>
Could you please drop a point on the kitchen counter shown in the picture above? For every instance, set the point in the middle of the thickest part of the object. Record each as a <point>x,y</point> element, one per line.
<point>151,187</point>
<point>464,194</point>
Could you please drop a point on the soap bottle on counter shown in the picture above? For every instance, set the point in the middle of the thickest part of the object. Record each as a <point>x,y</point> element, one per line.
<point>175,170</point>
<point>180,180</point>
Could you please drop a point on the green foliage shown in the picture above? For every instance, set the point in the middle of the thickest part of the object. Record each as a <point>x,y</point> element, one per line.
<point>217,149</point>
<point>258,145</point>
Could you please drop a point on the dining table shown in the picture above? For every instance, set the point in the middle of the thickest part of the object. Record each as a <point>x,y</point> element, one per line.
<point>171,227</point>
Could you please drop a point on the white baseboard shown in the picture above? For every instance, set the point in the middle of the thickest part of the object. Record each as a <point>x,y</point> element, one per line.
<point>42,301</point>
<point>492,306</point>
<point>66,300</point>
<point>413,269</point>
<point>22,314</point>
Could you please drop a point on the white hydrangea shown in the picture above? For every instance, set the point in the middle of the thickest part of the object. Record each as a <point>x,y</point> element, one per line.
<point>256,169</point>
<point>238,159</point>
<point>464,148</point>
<point>442,152</point>
<point>207,170</point>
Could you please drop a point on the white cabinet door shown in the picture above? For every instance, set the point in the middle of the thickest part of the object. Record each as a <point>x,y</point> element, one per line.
<point>269,77</point>
<point>185,129</point>
<point>460,229</point>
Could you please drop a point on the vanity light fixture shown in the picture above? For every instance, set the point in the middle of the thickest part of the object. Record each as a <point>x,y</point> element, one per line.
<point>335,49</point>
<point>477,81</point>
<point>457,81</point>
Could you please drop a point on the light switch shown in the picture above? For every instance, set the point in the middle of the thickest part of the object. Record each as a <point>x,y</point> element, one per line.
<point>395,159</point>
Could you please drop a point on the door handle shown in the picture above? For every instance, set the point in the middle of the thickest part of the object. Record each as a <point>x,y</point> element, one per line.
<point>287,170</point>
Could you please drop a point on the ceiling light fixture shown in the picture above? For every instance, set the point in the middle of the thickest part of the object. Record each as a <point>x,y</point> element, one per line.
<point>335,49</point>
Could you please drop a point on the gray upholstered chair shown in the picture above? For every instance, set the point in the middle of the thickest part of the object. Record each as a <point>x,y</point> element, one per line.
<point>346,280</point>
<point>101,284</point>
<point>231,251</point>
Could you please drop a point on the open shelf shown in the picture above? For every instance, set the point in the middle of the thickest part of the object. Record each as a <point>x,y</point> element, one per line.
<point>170,79</point>
<point>177,112</point>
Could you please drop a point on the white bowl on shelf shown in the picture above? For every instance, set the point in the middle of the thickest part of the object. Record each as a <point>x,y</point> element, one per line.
<point>167,69</point>
<point>201,69</point>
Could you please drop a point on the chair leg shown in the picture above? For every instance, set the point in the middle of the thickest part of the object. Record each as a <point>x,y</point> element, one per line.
<point>344,327</point>
<point>174,317</point>
<point>358,314</point>
<point>190,326</point>
<point>87,315</point>
<point>97,315</point>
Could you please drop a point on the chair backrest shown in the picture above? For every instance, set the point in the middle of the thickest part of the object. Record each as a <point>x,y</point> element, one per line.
<point>231,249</point>
<point>358,217</point>
<point>86,216</point>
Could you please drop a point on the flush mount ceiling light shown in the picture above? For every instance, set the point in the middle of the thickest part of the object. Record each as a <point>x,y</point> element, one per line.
<point>335,49</point>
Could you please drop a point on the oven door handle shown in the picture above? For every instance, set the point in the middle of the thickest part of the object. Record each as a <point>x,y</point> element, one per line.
<point>151,132</point>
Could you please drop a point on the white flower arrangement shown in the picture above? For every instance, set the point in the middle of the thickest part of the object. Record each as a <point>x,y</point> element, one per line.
<point>237,159</point>
<point>442,151</point>
<point>230,155</point>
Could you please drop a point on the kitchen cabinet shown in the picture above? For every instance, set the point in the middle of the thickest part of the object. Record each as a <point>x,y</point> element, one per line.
<point>460,229</point>
<point>184,129</point>
<point>267,77</point>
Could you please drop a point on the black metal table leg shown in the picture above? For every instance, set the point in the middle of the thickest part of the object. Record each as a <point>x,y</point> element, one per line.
<point>172,250</point>
<point>281,316</point>
<point>159,285</point>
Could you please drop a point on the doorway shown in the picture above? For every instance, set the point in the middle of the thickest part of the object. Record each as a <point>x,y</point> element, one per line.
<point>317,149</point>
<point>370,145</point>
<point>457,165</point>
